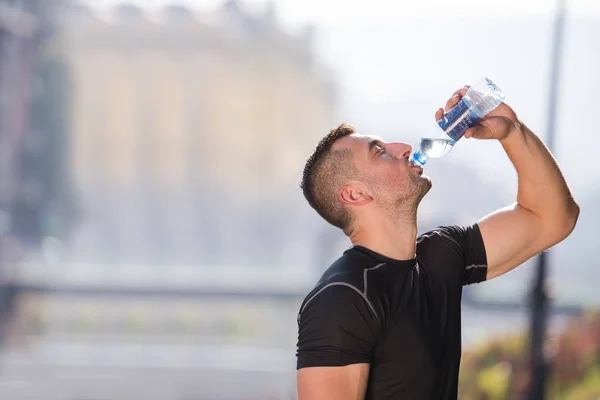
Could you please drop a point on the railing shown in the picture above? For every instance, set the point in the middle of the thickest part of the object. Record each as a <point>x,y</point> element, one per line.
<point>165,280</point>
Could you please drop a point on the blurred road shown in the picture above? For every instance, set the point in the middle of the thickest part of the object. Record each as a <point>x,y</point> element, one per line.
<point>88,368</point>
<point>53,369</point>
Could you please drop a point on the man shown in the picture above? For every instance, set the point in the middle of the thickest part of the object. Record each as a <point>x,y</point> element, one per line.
<point>383,322</point>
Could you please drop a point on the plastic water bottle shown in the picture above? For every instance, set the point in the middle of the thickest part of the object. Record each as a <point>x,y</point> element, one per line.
<point>480,99</point>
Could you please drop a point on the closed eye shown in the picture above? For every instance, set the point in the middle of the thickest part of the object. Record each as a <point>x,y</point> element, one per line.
<point>377,145</point>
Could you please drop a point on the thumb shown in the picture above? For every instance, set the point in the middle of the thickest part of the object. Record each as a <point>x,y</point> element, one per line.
<point>479,131</point>
<point>471,132</point>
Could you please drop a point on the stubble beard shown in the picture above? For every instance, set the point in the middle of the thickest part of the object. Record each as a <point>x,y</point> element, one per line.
<point>422,186</point>
<point>403,204</point>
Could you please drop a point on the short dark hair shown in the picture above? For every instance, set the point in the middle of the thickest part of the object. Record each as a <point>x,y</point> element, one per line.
<point>325,172</point>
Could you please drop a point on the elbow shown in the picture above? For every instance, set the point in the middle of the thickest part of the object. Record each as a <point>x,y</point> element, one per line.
<point>571,217</point>
<point>567,223</point>
<point>559,226</point>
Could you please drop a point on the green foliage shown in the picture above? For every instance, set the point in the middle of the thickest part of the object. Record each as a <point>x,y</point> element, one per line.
<point>499,369</point>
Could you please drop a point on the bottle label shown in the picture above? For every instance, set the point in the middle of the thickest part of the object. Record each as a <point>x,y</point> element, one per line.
<point>457,120</point>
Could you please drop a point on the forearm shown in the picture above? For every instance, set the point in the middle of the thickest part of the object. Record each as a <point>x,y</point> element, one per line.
<point>542,187</point>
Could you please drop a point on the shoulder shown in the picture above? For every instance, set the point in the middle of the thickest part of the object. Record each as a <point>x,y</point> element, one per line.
<point>342,284</point>
<point>455,245</point>
<point>334,299</point>
<point>336,327</point>
<point>441,236</point>
<point>450,236</point>
<point>444,232</point>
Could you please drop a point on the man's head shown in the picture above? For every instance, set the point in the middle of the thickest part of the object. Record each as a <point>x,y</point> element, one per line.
<point>349,175</point>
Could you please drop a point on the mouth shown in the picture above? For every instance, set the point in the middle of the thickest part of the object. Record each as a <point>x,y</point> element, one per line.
<point>417,168</point>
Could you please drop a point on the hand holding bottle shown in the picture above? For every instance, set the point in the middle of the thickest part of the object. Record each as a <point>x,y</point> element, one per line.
<point>464,112</point>
<point>497,124</point>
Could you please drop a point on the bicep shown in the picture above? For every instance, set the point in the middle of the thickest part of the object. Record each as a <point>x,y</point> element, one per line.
<point>333,383</point>
<point>511,236</point>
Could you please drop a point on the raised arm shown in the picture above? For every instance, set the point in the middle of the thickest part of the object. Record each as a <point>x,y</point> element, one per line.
<point>544,213</point>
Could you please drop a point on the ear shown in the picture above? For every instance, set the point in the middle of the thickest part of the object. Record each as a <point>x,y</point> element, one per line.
<point>355,194</point>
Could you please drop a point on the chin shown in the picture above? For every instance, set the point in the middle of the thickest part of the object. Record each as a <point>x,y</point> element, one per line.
<point>423,181</point>
<point>425,185</point>
<point>427,179</point>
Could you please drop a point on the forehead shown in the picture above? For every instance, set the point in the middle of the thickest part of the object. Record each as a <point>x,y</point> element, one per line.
<point>356,142</point>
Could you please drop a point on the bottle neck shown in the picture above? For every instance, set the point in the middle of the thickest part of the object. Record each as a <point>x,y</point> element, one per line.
<point>418,158</point>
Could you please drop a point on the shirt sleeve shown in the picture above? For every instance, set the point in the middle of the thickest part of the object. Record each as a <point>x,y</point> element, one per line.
<point>337,326</point>
<point>467,242</point>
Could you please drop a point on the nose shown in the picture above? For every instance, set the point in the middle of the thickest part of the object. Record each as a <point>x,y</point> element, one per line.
<point>400,150</point>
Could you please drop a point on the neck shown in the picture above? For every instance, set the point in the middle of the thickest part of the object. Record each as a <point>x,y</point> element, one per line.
<point>394,237</point>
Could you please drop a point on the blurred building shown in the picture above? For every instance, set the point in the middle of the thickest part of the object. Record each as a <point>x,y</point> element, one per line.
<point>26,179</point>
<point>19,37</point>
<point>189,132</point>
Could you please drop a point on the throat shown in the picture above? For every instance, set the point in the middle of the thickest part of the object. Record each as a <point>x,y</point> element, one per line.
<point>398,243</point>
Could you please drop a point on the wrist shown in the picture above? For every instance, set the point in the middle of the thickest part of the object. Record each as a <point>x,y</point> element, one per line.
<point>517,130</point>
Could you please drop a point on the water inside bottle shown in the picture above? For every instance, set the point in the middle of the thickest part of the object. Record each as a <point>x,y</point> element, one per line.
<point>436,148</point>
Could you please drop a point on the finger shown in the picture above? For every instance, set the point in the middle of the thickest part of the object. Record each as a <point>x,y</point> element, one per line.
<point>469,133</point>
<point>439,114</point>
<point>462,90</point>
<point>452,101</point>
<point>456,98</point>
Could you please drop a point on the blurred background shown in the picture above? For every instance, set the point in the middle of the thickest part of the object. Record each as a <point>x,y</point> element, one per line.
<point>153,240</point>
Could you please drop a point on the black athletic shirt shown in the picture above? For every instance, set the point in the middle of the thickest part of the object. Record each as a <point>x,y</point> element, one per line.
<point>401,317</point>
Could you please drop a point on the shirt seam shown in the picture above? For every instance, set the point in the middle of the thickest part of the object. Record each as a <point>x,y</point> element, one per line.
<point>476,266</point>
<point>365,276</point>
<point>363,295</point>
